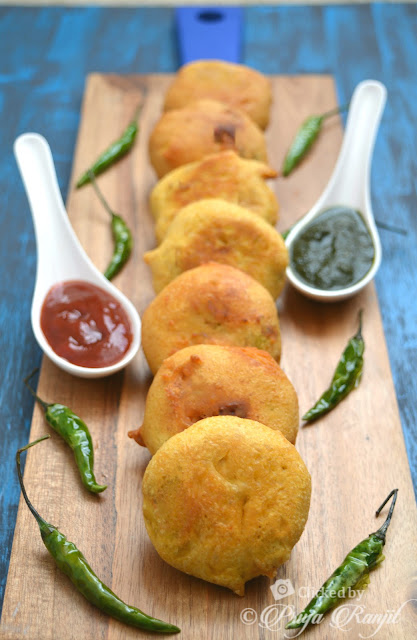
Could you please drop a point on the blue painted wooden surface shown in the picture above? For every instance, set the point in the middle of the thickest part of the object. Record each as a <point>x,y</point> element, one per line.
<point>45,54</point>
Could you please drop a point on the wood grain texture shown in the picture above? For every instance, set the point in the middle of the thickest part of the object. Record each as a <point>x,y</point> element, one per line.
<point>356,454</point>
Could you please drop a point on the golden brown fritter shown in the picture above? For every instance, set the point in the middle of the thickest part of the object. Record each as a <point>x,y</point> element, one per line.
<point>221,175</point>
<point>226,500</point>
<point>200,129</point>
<point>211,304</point>
<point>217,230</point>
<point>210,380</point>
<point>233,84</point>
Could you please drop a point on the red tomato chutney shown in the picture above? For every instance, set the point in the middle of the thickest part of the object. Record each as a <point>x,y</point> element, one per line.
<point>85,325</point>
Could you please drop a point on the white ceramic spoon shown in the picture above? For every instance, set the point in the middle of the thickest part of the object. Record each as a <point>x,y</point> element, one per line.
<point>349,184</point>
<point>60,254</point>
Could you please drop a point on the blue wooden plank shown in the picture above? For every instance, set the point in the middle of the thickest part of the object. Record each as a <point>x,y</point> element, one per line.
<point>45,55</point>
<point>286,40</point>
<point>397,198</point>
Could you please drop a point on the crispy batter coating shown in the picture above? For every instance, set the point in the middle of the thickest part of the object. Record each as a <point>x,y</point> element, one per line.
<point>202,128</point>
<point>211,304</point>
<point>217,230</point>
<point>221,175</point>
<point>210,380</point>
<point>233,84</point>
<point>226,500</point>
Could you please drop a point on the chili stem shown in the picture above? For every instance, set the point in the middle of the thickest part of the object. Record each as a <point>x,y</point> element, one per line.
<point>138,110</point>
<point>335,111</point>
<point>99,193</point>
<point>390,227</point>
<point>43,404</point>
<point>381,533</point>
<point>38,518</point>
<point>359,331</point>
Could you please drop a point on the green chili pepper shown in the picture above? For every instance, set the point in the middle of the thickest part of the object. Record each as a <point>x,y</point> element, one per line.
<point>75,433</point>
<point>346,377</point>
<point>72,562</point>
<point>122,236</point>
<point>114,152</point>
<point>352,573</point>
<point>305,137</point>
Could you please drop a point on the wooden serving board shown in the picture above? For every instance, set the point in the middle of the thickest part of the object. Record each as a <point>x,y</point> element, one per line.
<point>356,454</point>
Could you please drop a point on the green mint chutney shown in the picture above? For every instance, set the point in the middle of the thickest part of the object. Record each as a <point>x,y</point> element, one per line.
<point>333,252</point>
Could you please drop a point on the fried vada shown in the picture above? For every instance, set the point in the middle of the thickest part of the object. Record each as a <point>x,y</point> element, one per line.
<point>210,304</point>
<point>221,175</point>
<point>226,500</point>
<point>202,128</point>
<point>234,84</point>
<point>217,230</point>
<point>210,380</point>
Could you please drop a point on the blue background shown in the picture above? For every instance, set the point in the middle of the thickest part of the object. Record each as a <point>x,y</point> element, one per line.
<point>45,55</point>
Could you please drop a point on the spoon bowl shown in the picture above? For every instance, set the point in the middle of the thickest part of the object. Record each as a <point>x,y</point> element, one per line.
<point>60,255</point>
<point>349,185</point>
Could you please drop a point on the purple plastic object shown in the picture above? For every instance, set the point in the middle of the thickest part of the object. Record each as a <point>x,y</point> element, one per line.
<point>209,32</point>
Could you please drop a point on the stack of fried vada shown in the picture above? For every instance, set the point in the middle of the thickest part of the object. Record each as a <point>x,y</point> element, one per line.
<point>214,230</point>
<point>226,495</point>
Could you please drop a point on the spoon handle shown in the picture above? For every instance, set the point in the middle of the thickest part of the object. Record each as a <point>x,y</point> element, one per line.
<point>350,181</point>
<point>56,242</point>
